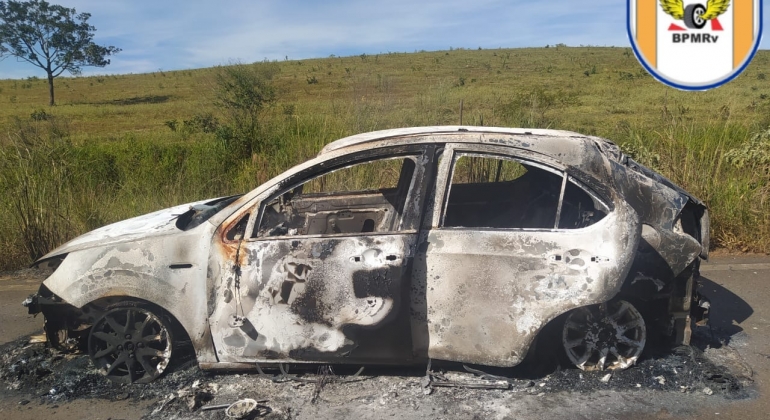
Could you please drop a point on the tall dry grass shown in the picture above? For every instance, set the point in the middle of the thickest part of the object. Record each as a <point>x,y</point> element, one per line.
<point>109,152</point>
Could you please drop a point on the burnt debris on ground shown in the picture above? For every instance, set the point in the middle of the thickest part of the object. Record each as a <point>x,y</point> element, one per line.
<point>31,371</point>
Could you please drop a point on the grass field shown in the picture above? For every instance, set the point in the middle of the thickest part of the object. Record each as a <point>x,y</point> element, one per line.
<point>107,151</point>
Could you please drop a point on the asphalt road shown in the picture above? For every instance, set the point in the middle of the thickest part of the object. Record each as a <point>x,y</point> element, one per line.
<point>736,285</point>
<point>15,320</point>
<point>739,289</point>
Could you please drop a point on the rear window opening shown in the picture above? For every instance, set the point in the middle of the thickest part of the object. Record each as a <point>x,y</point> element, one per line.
<point>579,209</point>
<point>501,193</point>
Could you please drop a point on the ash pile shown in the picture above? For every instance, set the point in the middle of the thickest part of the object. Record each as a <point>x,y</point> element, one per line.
<point>32,372</point>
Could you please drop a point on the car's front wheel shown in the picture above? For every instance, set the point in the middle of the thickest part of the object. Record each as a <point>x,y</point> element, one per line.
<point>131,344</point>
<point>606,336</point>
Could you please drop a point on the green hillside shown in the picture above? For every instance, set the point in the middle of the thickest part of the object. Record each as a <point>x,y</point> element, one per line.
<point>117,146</point>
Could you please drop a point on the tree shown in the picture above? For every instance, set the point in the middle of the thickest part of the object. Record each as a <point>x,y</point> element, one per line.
<point>49,36</point>
<point>243,91</point>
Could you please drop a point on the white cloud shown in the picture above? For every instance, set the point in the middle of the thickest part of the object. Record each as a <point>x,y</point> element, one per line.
<point>178,34</point>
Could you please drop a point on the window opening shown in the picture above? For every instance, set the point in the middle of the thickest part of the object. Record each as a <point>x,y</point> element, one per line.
<point>238,230</point>
<point>497,192</point>
<point>580,209</point>
<point>367,197</point>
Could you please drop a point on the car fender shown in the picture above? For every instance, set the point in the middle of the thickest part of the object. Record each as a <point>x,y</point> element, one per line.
<point>165,271</point>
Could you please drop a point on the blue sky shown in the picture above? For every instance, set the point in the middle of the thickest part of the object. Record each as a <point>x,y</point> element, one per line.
<point>177,34</point>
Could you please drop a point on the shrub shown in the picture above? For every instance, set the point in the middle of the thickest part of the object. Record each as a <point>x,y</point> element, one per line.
<point>39,115</point>
<point>242,92</point>
<point>206,123</point>
<point>753,154</point>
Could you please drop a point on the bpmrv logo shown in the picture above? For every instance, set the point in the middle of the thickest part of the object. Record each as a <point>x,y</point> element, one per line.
<point>695,44</point>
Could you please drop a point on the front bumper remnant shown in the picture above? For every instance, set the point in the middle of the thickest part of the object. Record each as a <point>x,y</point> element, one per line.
<point>65,325</point>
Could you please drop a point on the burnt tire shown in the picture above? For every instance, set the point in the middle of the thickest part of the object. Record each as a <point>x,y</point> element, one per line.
<point>131,344</point>
<point>692,16</point>
<point>609,336</point>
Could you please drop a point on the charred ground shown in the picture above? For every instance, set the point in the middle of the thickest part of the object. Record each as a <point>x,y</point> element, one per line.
<point>680,380</point>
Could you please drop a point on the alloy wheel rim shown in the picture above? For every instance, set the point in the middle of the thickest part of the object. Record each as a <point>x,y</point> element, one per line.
<point>131,345</point>
<point>609,336</point>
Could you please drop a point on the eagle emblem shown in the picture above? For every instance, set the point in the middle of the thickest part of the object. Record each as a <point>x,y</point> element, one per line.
<point>694,16</point>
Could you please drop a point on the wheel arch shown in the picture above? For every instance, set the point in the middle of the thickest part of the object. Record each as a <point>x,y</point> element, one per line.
<point>107,303</point>
<point>186,307</point>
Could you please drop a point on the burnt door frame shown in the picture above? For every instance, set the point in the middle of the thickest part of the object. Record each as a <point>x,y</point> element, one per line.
<point>379,252</point>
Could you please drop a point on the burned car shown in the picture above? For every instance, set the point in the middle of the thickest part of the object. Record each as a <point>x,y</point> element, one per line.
<point>395,247</point>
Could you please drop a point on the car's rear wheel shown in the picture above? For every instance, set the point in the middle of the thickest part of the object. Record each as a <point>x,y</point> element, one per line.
<point>131,344</point>
<point>606,336</point>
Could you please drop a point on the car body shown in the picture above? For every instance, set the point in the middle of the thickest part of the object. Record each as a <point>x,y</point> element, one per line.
<point>394,247</point>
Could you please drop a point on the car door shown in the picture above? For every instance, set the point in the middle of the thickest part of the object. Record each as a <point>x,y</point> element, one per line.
<point>512,242</point>
<point>319,269</point>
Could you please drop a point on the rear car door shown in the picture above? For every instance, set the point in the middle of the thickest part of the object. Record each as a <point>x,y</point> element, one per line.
<point>512,241</point>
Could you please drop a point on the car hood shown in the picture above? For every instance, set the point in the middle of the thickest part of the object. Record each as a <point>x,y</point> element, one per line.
<point>161,222</point>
